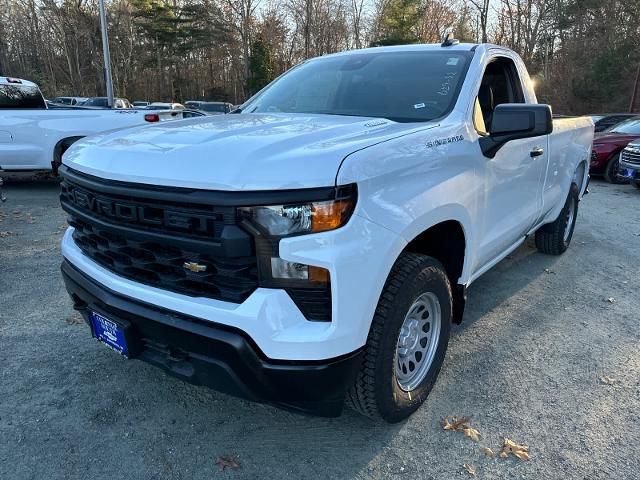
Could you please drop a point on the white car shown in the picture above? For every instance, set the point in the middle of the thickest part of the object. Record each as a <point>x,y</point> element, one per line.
<point>33,137</point>
<point>318,244</point>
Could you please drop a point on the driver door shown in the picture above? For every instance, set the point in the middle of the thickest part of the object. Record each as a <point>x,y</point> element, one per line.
<point>513,179</point>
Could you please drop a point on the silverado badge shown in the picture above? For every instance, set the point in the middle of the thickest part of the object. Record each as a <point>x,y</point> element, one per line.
<point>194,267</point>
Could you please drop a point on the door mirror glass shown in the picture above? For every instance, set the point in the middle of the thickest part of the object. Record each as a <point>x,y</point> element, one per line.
<point>512,121</point>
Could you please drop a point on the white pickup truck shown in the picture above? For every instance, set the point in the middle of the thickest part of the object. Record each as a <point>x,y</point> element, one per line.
<point>34,137</point>
<point>317,245</point>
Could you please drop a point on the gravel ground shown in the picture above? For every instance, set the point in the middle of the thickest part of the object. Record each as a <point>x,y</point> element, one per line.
<point>527,363</point>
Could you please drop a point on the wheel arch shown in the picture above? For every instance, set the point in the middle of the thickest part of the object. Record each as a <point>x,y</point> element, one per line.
<point>446,241</point>
<point>580,176</point>
<point>61,147</point>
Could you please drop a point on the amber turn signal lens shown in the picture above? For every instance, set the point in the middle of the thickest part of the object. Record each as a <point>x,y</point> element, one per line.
<point>330,215</point>
<point>318,275</point>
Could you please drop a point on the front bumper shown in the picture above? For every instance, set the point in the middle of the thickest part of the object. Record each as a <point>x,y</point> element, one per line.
<point>217,356</point>
<point>358,256</point>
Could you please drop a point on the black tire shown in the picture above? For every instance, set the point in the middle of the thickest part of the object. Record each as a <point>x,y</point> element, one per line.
<point>554,238</point>
<point>636,182</point>
<point>376,392</point>
<point>612,173</point>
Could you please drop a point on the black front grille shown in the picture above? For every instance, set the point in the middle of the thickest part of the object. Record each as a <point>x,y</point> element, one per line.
<point>630,157</point>
<point>193,249</point>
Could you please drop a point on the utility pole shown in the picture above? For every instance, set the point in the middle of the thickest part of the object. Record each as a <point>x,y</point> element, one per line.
<point>107,57</point>
<point>634,94</point>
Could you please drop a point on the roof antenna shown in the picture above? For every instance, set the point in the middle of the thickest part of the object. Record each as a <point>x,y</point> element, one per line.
<point>448,40</point>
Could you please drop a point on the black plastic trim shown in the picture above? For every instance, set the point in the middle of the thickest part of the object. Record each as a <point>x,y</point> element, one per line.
<point>217,356</point>
<point>203,197</point>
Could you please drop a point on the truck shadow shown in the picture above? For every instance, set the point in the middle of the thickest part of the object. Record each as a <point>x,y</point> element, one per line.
<point>503,281</point>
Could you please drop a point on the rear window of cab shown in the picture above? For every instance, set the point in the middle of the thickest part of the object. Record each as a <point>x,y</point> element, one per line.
<point>20,96</point>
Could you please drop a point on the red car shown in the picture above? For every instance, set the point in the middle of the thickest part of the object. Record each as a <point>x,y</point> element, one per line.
<point>605,153</point>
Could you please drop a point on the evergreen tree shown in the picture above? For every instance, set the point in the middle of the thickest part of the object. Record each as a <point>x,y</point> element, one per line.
<point>261,70</point>
<point>399,20</point>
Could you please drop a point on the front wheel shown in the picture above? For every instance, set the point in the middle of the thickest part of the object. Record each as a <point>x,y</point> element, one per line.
<point>636,182</point>
<point>407,341</point>
<point>613,173</point>
<point>554,238</point>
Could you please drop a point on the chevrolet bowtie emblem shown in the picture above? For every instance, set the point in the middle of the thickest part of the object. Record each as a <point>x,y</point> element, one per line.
<point>194,267</point>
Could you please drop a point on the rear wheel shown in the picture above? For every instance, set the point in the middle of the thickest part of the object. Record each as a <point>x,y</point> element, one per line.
<point>407,341</point>
<point>613,172</point>
<point>554,238</point>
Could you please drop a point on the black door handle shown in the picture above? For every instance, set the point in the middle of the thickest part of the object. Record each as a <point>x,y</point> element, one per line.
<point>536,152</point>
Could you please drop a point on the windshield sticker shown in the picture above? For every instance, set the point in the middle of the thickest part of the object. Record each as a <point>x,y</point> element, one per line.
<point>443,141</point>
<point>452,61</point>
<point>419,105</point>
<point>446,85</point>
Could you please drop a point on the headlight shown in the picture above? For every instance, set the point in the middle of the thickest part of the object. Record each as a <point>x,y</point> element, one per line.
<point>309,286</point>
<point>283,220</point>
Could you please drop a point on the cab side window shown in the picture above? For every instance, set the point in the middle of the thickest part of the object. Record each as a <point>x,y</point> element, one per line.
<point>500,84</point>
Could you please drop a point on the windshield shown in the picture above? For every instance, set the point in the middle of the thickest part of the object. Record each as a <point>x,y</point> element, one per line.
<point>630,126</point>
<point>213,107</point>
<point>401,86</point>
<point>20,96</point>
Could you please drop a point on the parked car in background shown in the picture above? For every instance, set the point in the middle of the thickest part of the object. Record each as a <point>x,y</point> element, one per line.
<point>71,101</point>
<point>210,108</point>
<point>163,115</point>
<point>34,137</point>
<point>102,102</point>
<point>605,153</point>
<point>606,121</point>
<point>630,162</point>
<point>140,103</point>
<point>165,106</point>
<point>318,244</point>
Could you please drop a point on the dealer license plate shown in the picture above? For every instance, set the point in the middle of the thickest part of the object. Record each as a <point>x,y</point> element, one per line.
<point>109,333</point>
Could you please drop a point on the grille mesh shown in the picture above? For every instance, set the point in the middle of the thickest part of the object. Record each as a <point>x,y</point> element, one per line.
<point>629,157</point>
<point>232,279</point>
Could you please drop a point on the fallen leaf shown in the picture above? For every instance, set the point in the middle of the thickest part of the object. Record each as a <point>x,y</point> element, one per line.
<point>227,461</point>
<point>611,300</point>
<point>608,380</point>
<point>470,470</point>
<point>457,424</point>
<point>5,234</point>
<point>472,433</point>
<point>488,452</point>
<point>74,319</point>
<point>518,450</point>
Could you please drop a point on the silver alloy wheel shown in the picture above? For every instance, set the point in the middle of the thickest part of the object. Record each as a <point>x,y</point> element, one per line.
<point>571,217</point>
<point>418,341</point>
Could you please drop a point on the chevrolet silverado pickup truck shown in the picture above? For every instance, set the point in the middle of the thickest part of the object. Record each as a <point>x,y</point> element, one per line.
<point>314,247</point>
<point>34,137</point>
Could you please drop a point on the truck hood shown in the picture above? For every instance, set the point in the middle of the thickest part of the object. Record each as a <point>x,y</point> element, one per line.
<point>234,152</point>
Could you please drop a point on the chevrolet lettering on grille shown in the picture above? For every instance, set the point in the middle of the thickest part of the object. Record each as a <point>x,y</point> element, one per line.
<point>136,213</point>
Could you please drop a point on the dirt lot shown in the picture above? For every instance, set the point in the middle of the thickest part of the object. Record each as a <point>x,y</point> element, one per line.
<point>539,335</point>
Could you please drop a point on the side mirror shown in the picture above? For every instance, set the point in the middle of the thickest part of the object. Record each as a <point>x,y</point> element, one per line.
<point>512,121</point>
